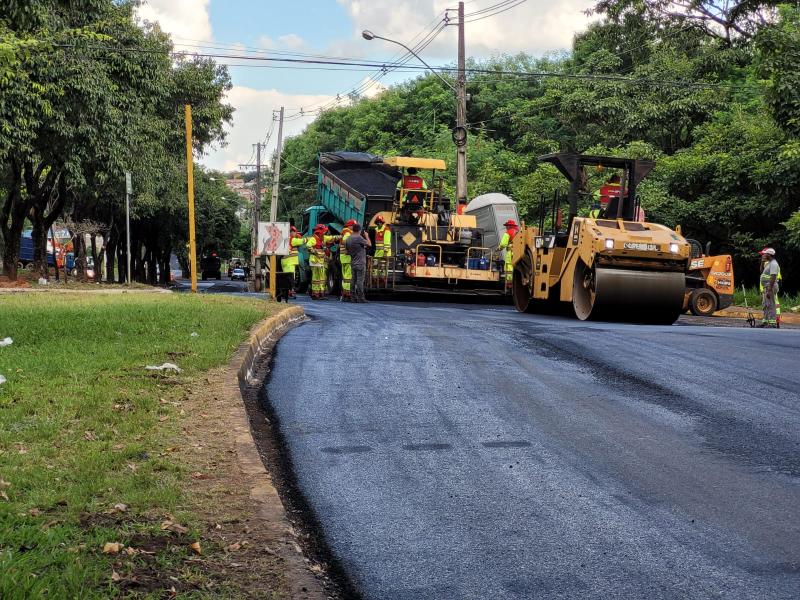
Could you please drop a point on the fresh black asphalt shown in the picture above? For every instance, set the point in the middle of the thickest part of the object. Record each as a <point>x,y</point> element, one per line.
<point>463,451</point>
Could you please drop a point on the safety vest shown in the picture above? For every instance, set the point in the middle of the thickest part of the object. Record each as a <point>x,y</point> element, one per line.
<point>414,182</point>
<point>505,243</point>
<point>765,277</point>
<point>383,237</point>
<point>344,255</point>
<point>608,191</point>
<point>316,250</point>
<point>294,243</point>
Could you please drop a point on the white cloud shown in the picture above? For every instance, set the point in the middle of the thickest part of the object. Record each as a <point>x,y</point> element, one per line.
<point>183,19</point>
<point>372,87</point>
<point>252,120</point>
<point>536,26</point>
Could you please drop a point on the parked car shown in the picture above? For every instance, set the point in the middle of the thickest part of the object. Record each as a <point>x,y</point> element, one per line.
<point>238,273</point>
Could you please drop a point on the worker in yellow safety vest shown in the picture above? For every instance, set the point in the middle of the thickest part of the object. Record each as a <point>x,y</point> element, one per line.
<point>512,228</point>
<point>346,261</point>
<point>318,253</point>
<point>290,262</point>
<point>383,251</point>
<point>769,286</point>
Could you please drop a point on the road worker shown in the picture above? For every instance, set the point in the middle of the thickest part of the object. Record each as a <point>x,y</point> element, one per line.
<point>383,251</point>
<point>408,184</point>
<point>318,253</point>
<point>769,285</point>
<point>346,261</point>
<point>512,228</point>
<point>603,196</point>
<point>290,262</point>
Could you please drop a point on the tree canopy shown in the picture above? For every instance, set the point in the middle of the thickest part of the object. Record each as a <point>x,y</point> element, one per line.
<point>710,92</point>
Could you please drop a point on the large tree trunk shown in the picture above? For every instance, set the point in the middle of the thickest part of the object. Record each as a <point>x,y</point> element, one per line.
<point>95,257</point>
<point>12,220</point>
<point>39,238</point>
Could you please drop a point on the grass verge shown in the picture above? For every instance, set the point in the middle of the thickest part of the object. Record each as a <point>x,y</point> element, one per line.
<point>88,439</point>
<point>753,297</point>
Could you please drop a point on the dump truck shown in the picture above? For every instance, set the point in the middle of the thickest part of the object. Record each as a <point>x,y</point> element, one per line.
<point>709,281</point>
<point>610,266</point>
<point>433,248</point>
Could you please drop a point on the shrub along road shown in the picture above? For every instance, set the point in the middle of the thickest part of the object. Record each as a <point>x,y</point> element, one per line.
<point>473,452</point>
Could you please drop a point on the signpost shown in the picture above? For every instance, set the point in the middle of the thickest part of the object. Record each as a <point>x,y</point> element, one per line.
<point>128,194</point>
<point>190,191</point>
<point>273,241</point>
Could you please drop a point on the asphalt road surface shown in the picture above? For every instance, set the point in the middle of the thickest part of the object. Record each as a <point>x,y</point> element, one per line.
<point>472,452</point>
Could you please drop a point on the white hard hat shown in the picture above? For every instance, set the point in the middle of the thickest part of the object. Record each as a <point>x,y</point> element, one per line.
<point>768,251</point>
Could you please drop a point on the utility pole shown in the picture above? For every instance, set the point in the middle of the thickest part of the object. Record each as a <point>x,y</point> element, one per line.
<point>460,132</point>
<point>276,173</point>
<point>256,217</point>
<point>273,208</point>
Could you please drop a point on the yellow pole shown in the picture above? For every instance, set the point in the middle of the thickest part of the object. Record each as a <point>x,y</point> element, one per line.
<point>273,276</point>
<point>190,179</point>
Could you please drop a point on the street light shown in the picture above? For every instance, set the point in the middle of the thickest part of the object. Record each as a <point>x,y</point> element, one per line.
<point>369,36</point>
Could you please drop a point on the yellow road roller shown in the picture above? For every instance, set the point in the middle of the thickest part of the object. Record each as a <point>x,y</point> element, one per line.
<point>608,264</point>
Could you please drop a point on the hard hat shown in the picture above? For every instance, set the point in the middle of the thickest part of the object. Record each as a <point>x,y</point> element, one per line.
<point>768,251</point>
<point>294,229</point>
<point>350,223</point>
<point>379,219</point>
<point>510,223</point>
<point>319,227</point>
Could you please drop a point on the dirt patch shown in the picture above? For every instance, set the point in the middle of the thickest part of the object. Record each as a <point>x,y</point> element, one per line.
<point>249,547</point>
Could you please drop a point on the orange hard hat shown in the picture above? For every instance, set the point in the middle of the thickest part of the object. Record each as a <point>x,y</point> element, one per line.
<point>768,252</point>
<point>350,223</point>
<point>510,223</point>
<point>293,229</point>
<point>379,219</point>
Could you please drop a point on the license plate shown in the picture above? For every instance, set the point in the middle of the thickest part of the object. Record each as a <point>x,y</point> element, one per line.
<point>641,246</point>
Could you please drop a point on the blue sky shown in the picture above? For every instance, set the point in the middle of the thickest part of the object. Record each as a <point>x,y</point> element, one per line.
<point>297,28</point>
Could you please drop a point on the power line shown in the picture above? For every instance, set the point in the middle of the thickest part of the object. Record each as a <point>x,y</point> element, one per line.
<point>470,70</point>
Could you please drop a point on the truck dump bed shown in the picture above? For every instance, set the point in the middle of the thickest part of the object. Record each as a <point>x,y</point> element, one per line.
<point>355,185</point>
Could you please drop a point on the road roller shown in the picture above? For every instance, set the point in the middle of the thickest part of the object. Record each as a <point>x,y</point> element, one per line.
<point>606,261</point>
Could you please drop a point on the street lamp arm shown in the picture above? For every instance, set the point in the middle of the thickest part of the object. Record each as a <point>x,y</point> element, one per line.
<point>368,35</point>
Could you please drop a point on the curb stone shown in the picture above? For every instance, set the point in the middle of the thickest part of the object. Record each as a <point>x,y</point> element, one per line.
<point>301,580</point>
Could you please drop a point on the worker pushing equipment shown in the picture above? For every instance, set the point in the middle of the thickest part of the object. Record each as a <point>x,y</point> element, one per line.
<point>769,284</point>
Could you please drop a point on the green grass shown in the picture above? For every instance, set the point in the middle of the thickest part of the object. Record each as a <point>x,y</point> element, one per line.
<point>82,426</point>
<point>754,298</point>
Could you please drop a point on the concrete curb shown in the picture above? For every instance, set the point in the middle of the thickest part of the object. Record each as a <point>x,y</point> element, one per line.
<point>262,338</point>
<point>303,584</point>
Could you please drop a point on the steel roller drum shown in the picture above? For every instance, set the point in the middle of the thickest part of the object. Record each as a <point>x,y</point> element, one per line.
<point>627,295</point>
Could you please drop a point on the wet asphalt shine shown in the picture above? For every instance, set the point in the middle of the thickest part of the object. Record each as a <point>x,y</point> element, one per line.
<point>468,451</point>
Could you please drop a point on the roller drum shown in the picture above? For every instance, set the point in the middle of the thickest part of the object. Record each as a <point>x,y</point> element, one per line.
<point>628,295</point>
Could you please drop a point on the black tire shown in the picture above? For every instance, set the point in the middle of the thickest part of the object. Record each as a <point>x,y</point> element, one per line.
<point>520,291</point>
<point>703,302</point>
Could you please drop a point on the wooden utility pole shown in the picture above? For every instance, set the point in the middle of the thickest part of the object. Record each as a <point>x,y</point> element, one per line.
<point>190,191</point>
<point>460,133</point>
<point>256,218</point>
<point>273,208</point>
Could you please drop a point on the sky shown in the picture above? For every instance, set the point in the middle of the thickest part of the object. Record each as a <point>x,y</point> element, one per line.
<point>332,28</point>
